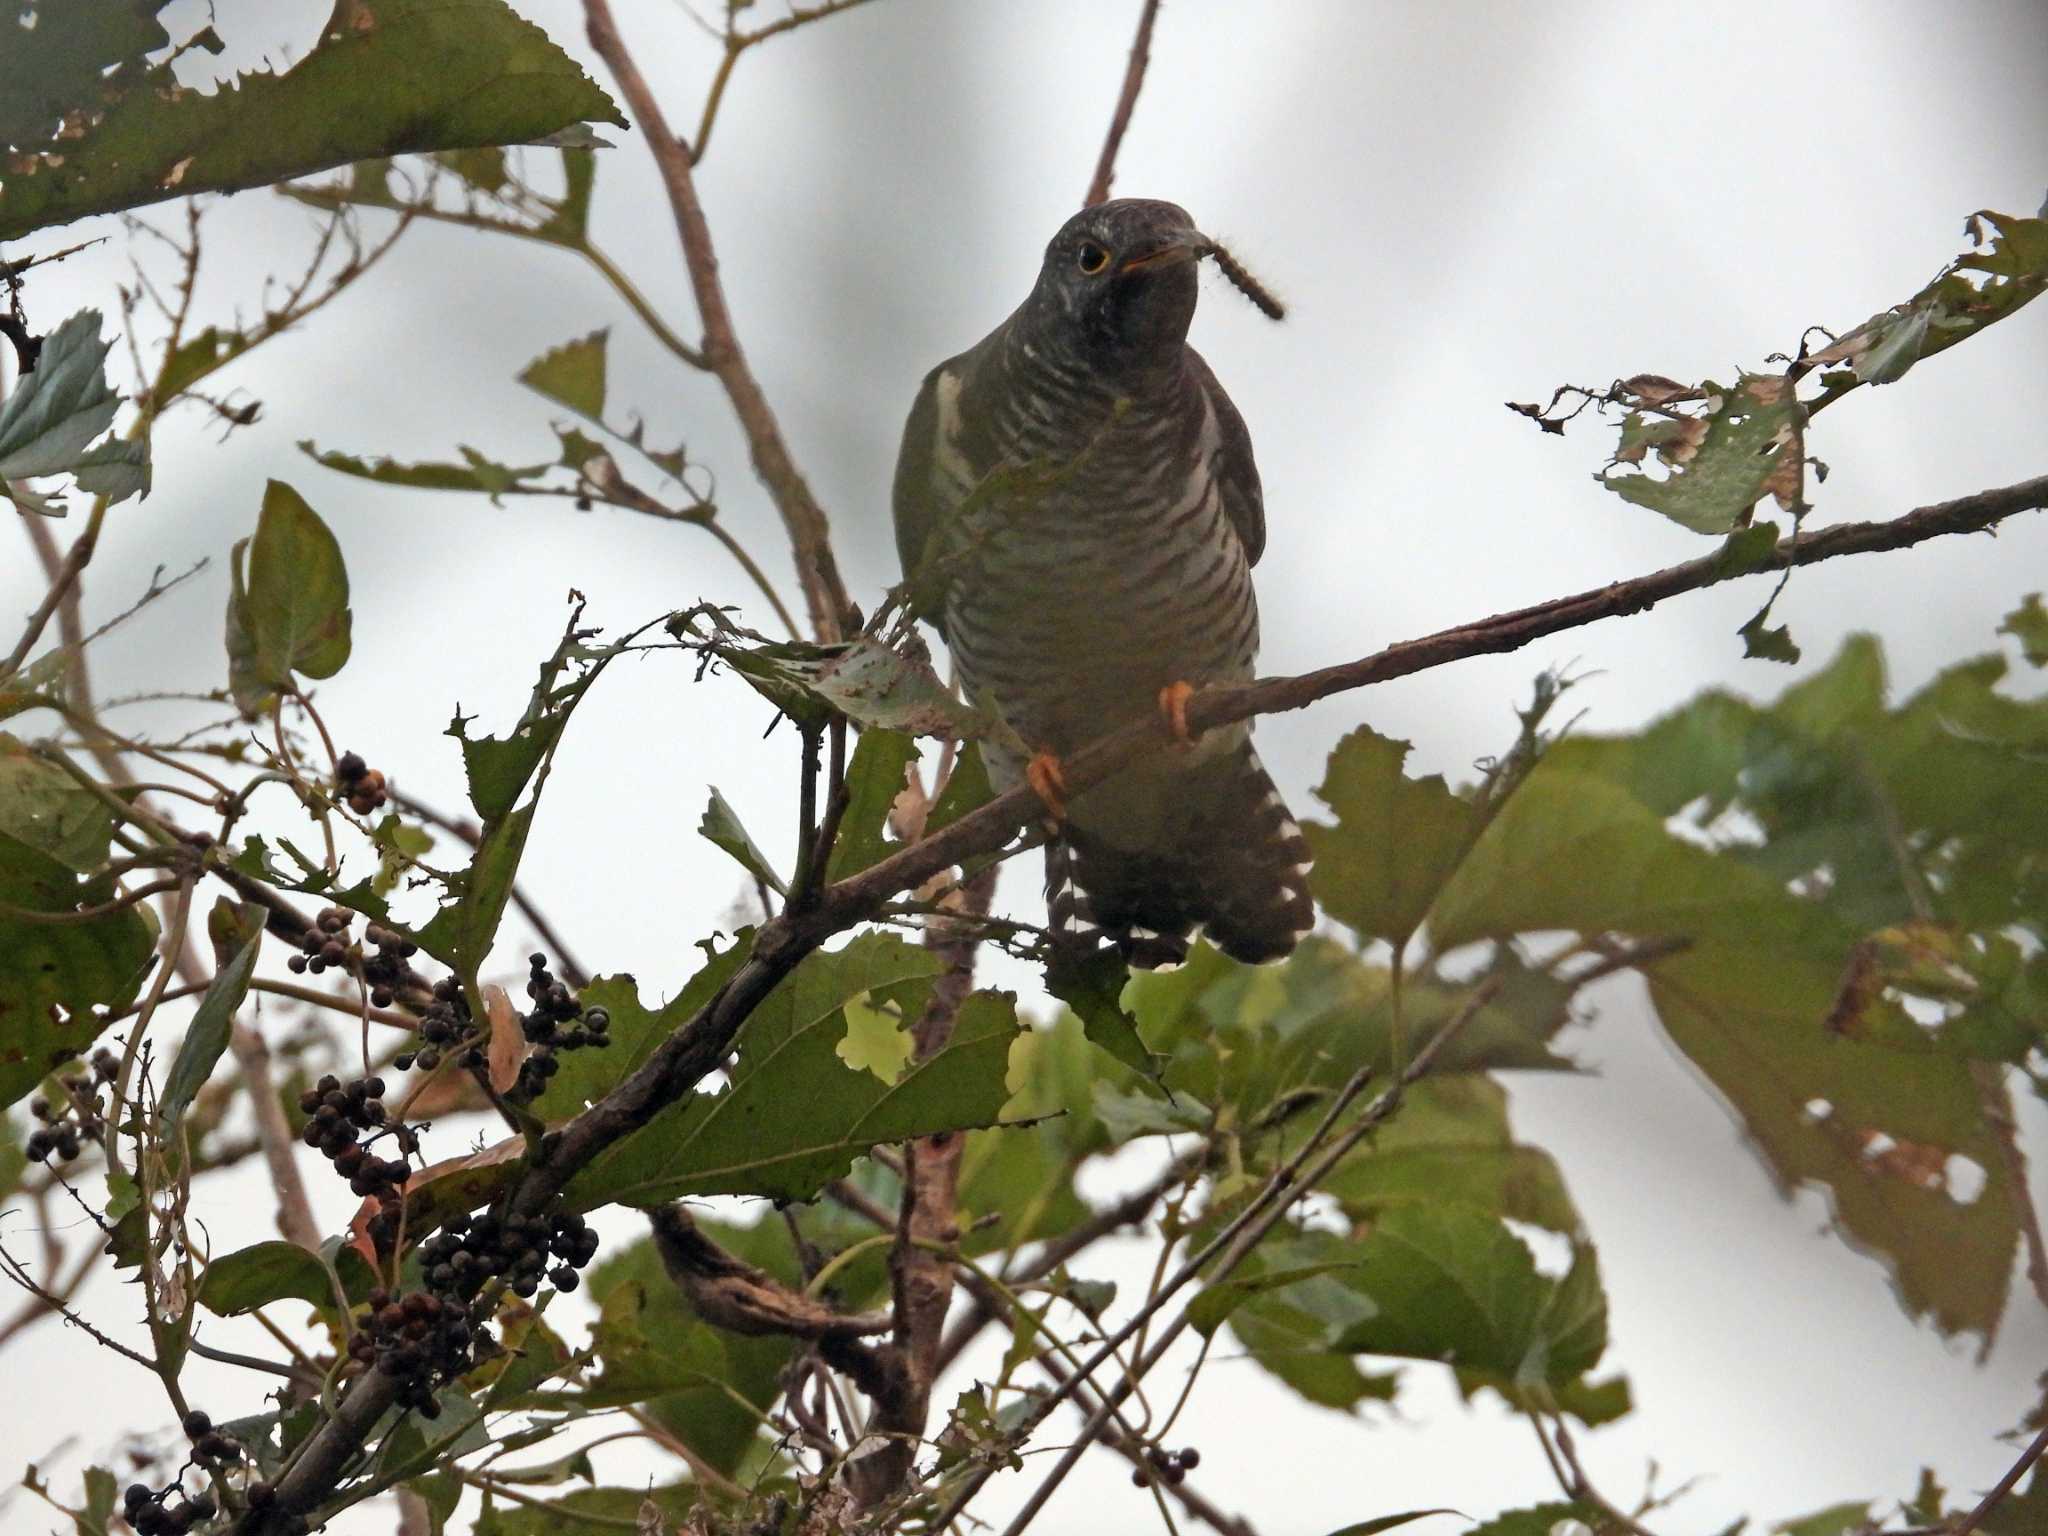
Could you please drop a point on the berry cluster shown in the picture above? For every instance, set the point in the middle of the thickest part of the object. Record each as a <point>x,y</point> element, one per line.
<point>343,1118</point>
<point>386,970</point>
<point>261,1497</point>
<point>445,1024</point>
<point>1166,1466</point>
<point>150,1511</point>
<point>470,1252</point>
<point>324,944</point>
<point>419,1338</point>
<point>210,1447</point>
<point>558,1022</point>
<point>68,1125</point>
<point>361,785</point>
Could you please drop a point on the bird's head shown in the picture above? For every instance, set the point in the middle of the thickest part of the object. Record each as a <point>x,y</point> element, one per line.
<point>1118,286</point>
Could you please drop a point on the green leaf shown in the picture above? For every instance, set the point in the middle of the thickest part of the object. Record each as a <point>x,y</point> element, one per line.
<point>49,420</point>
<point>1917,833</point>
<point>1389,1522</point>
<point>572,374</point>
<point>795,1115</point>
<point>1451,1143</point>
<point>2006,273</point>
<point>1091,982</point>
<point>1214,1304</point>
<point>415,75</point>
<point>46,809</point>
<point>263,1273</point>
<point>419,1444</point>
<point>592,1512</point>
<point>1542,1520</point>
<point>500,770</point>
<point>1718,465</point>
<point>55,55</point>
<point>1835,1520</point>
<point>441,1494</point>
<point>704,1384</point>
<point>875,776</point>
<point>289,611</point>
<point>238,932</point>
<point>588,1075</point>
<point>1287,1331</point>
<point>475,473</point>
<point>1454,1284</point>
<point>1760,643</point>
<point>2028,624</point>
<point>862,679</point>
<point>1396,840</point>
<point>720,824</point>
<point>55,976</point>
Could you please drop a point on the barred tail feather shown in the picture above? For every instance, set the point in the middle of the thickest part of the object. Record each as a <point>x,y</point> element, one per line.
<point>1237,868</point>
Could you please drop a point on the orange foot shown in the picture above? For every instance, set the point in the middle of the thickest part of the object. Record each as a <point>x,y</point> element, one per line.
<point>1173,704</point>
<point>1048,780</point>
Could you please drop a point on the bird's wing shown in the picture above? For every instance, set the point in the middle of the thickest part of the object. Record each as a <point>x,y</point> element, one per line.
<point>915,462</point>
<point>1236,471</point>
<point>936,468</point>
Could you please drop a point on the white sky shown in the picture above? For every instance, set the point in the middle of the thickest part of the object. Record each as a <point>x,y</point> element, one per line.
<point>1462,204</point>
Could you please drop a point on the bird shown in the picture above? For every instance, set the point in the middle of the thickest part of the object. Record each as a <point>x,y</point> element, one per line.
<point>1079,497</point>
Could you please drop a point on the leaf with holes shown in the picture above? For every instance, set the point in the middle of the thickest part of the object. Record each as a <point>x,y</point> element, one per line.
<point>399,77</point>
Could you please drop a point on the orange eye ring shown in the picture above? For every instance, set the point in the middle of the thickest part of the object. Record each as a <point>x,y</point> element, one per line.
<point>1092,258</point>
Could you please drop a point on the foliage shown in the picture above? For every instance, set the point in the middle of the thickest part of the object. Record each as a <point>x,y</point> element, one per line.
<point>1835,899</point>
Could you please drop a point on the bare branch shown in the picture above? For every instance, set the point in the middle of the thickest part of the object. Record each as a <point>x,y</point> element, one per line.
<point>987,829</point>
<point>920,1268</point>
<point>732,1294</point>
<point>1127,99</point>
<point>2004,1486</point>
<point>809,532</point>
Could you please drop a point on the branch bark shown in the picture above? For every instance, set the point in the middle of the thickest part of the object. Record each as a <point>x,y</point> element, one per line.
<point>921,1276</point>
<point>732,1294</point>
<point>697,1047</point>
<point>1127,99</point>
<point>810,538</point>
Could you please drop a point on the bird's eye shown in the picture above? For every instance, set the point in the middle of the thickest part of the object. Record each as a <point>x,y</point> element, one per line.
<point>1093,258</point>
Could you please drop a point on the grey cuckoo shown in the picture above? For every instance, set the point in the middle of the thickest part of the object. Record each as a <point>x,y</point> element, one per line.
<point>1081,493</point>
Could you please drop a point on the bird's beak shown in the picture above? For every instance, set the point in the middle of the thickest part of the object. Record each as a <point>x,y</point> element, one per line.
<point>1186,245</point>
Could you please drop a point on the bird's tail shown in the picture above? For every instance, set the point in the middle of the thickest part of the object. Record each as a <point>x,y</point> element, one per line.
<point>1233,863</point>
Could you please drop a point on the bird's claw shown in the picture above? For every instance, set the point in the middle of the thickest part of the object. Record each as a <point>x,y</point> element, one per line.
<point>1173,706</point>
<point>1048,780</point>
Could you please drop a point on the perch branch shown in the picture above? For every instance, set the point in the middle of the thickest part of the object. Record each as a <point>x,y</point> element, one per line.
<point>699,1046</point>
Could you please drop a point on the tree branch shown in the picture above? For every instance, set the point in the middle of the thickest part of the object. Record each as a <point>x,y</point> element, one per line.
<point>699,1046</point>
<point>809,533</point>
<point>2005,1485</point>
<point>920,1270</point>
<point>732,1294</point>
<point>1127,99</point>
<point>989,827</point>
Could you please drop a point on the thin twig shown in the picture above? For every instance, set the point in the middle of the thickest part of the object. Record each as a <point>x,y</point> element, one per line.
<point>571,969</point>
<point>1127,98</point>
<point>809,532</point>
<point>699,1046</point>
<point>1228,1248</point>
<point>2004,1486</point>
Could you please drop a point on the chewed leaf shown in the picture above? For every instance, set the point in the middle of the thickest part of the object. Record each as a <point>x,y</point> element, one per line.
<point>862,679</point>
<point>405,76</point>
<point>49,422</point>
<point>1746,444</point>
<point>1978,288</point>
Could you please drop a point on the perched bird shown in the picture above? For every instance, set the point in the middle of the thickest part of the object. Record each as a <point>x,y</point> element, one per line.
<point>1079,495</point>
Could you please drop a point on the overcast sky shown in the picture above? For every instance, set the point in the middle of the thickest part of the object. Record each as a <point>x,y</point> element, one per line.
<point>1462,204</point>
